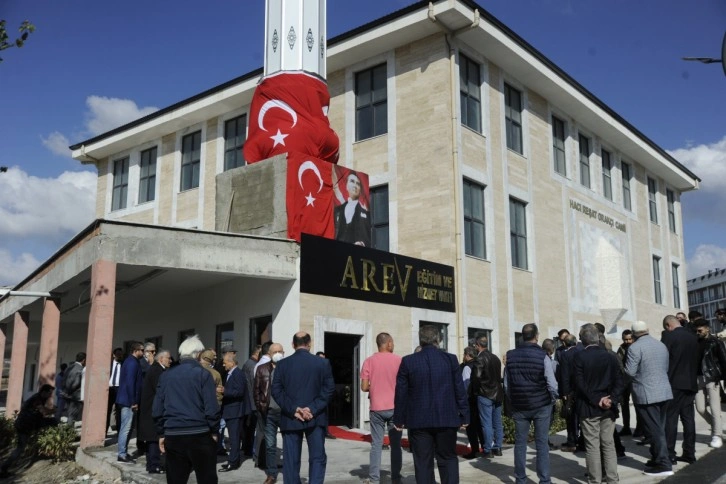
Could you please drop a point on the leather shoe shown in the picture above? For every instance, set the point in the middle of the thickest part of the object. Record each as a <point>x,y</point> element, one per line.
<point>469,455</point>
<point>497,452</point>
<point>486,455</point>
<point>270,480</point>
<point>229,467</point>
<point>127,459</point>
<point>688,460</point>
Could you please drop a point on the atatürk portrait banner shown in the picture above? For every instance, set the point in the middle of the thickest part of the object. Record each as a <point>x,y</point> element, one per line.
<point>338,269</point>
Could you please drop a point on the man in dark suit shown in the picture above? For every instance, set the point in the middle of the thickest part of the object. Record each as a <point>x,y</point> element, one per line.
<point>303,386</point>
<point>352,221</point>
<point>599,385</point>
<point>683,365</point>
<point>431,403</point>
<point>234,409</point>
<point>128,397</point>
<point>147,428</point>
<point>566,384</point>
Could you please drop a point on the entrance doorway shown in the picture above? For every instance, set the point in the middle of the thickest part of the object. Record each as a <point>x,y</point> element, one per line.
<point>343,351</point>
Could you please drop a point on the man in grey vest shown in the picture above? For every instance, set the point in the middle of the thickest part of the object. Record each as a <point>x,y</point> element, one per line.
<point>530,383</point>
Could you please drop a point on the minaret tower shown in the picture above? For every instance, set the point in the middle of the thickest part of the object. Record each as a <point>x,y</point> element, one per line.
<point>295,36</point>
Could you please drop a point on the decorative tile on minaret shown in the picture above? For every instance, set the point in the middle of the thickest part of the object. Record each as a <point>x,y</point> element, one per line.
<point>295,36</point>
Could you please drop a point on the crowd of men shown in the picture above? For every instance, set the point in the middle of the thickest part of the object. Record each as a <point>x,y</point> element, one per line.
<point>181,411</point>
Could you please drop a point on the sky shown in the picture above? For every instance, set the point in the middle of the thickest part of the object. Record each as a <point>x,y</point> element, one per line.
<point>92,66</point>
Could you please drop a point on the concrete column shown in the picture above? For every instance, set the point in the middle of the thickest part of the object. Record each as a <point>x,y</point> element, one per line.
<point>17,362</point>
<point>3,334</point>
<point>98,352</point>
<point>49,341</point>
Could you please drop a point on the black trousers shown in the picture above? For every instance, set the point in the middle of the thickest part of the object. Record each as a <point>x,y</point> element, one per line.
<point>248,433</point>
<point>112,391</point>
<point>625,405</point>
<point>234,427</point>
<point>153,455</point>
<point>474,431</point>
<point>681,406</point>
<point>429,442</point>
<point>185,453</point>
<point>653,417</point>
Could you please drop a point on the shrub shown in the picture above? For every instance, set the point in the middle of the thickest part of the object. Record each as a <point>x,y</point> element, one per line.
<point>7,433</point>
<point>558,424</point>
<point>56,443</point>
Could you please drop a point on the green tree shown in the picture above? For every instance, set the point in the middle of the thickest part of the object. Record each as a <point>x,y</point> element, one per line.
<point>25,29</point>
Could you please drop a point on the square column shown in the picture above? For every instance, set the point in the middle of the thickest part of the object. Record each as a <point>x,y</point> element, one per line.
<point>17,363</point>
<point>3,336</point>
<point>49,341</point>
<point>98,352</point>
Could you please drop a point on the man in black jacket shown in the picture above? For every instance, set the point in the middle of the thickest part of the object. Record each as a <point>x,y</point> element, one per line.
<point>599,387</point>
<point>567,391</point>
<point>683,363</point>
<point>486,384</point>
<point>709,374</point>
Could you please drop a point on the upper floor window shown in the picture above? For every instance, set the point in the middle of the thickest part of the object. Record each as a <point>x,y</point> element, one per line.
<point>371,103</point>
<point>120,183</point>
<point>676,286</point>
<point>652,200</point>
<point>513,118</point>
<point>558,146</point>
<point>671,197</point>
<point>470,92</point>
<point>379,217</point>
<point>235,133</point>
<point>147,176</point>
<point>475,242</point>
<point>656,280</point>
<point>191,158</point>
<point>607,180</point>
<point>585,161</point>
<point>518,232</point>
<point>625,169</point>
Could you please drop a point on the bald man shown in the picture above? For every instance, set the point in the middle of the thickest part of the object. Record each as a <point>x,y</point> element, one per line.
<point>302,387</point>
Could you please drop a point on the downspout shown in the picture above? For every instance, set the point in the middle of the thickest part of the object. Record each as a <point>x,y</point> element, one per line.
<point>456,170</point>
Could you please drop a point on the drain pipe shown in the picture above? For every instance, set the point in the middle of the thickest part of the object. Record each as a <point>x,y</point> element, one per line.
<point>450,36</point>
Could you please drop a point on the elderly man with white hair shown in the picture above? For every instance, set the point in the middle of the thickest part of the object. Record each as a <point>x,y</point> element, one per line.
<point>187,416</point>
<point>648,366</point>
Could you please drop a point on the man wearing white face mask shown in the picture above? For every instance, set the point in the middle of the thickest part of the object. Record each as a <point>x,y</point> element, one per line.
<point>268,408</point>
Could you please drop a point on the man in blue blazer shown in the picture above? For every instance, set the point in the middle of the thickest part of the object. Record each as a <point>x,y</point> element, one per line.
<point>234,409</point>
<point>431,402</point>
<point>128,397</point>
<point>302,386</point>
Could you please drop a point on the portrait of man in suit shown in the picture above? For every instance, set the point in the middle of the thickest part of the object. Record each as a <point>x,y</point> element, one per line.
<point>352,218</point>
<point>303,386</point>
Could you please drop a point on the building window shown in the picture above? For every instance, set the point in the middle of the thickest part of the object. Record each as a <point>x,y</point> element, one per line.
<point>147,178</point>
<point>513,117</point>
<point>676,286</point>
<point>656,280</point>
<point>224,338</point>
<point>191,158</point>
<point>443,332</point>
<point>518,232</point>
<point>379,217</point>
<point>558,146</point>
<point>625,169</point>
<point>585,161</point>
<point>235,134</point>
<point>260,331</point>
<point>182,336</point>
<point>472,334</point>
<point>470,91</point>
<point>474,219</point>
<point>671,210</point>
<point>371,103</point>
<point>607,181</point>
<point>652,201</point>
<point>120,183</point>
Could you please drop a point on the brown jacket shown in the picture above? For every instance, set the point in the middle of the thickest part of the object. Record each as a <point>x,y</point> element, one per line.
<point>217,380</point>
<point>262,387</point>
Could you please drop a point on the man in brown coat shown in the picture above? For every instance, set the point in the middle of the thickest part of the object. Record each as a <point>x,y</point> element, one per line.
<point>207,358</point>
<point>269,409</point>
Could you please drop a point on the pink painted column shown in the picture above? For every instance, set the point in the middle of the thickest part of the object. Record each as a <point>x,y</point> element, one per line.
<point>49,341</point>
<point>17,362</point>
<point>3,331</point>
<point>98,349</point>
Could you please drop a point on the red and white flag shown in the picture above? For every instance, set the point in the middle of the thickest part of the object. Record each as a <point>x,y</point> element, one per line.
<point>309,196</point>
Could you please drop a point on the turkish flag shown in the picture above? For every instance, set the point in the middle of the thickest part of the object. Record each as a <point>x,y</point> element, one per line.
<point>289,112</point>
<point>309,197</point>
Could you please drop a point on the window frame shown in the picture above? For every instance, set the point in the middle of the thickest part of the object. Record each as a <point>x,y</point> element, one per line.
<point>443,332</point>
<point>556,149</point>
<point>470,221</point>
<point>376,106</point>
<point>516,238</point>
<point>607,175</point>
<point>466,97</point>
<point>120,184</point>
<point>671,199</point>
<point>585,160</point>
<point>652,199</point>
<point>627,194</point>
<point>380,225</point>
<point>676,286</point>
<point>147,183</point>
<point>237,148</point>
<point>657,286</point>
<point>510,122</point>
<point>191,162</point>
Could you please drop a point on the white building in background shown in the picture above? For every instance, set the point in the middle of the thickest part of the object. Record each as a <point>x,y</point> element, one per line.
<point>707,293</point>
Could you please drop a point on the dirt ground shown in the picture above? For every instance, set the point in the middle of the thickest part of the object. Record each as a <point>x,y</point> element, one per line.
<point>45,472</point>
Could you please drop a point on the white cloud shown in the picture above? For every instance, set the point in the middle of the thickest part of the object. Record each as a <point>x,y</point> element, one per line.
<point>106,113</point>
<point>706,257</point>
<point>708,162</point>
<point>14,269</point>
<point>45,207</point>
<point>57,143</point>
